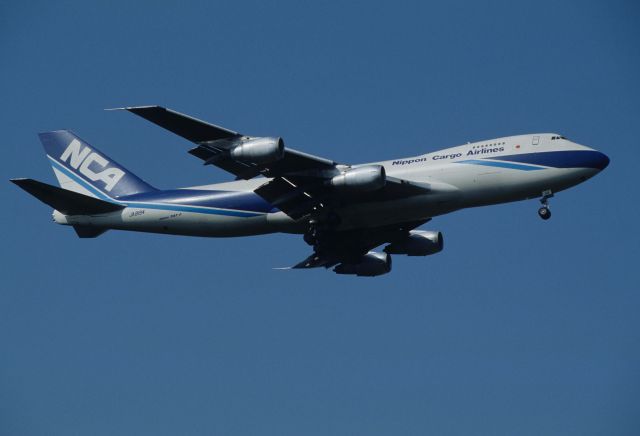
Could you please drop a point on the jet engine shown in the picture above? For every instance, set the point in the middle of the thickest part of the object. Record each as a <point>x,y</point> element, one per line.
<point>360,179</point>
<point>371,264</point>
<point>259,150</point>
<point>417,243</point>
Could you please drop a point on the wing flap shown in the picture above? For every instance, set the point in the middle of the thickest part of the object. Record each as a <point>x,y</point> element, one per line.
<point>221,160</point>
<point>295,161</point>
<point>315,260</point>
<point>288,197</point>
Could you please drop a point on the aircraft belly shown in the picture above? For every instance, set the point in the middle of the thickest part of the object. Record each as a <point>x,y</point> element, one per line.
<point>505,185</point>
<point>416,208</point>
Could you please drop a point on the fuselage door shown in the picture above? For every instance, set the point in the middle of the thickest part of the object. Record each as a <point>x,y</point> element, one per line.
<point>535,140</point>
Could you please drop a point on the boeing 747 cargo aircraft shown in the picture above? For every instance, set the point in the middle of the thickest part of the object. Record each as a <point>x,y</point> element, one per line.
<point>343,211</point>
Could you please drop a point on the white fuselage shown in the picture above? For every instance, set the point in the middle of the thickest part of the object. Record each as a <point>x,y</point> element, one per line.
<point>475,174</point>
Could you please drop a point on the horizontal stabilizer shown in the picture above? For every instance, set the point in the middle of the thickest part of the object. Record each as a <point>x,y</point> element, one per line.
<point>64,201</point>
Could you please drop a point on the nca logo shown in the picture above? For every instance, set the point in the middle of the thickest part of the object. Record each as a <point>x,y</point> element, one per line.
<point>84,158</point>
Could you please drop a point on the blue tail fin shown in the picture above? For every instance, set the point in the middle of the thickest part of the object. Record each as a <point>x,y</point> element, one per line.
<point>81,168</point>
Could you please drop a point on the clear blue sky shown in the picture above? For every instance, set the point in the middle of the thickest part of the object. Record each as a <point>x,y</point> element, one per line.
<point>519,327</point>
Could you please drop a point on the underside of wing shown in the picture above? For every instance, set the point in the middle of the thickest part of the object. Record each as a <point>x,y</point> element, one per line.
<point>298,196</point>
<point>243,156</point>
<point>348,247</point>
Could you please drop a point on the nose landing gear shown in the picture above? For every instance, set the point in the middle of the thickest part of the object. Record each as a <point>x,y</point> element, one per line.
<point>544,212</point>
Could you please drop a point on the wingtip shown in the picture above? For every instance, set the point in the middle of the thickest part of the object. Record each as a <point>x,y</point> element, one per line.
<point>133,108</point>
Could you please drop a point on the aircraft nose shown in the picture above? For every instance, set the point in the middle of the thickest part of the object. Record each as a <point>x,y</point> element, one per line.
<point>601,160</point>
<point>591,158</point>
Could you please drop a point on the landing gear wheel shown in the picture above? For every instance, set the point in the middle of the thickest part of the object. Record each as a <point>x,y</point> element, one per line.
<point>544,213</point>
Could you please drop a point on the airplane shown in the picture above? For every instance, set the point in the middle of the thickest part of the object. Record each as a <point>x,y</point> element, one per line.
<point>343,211</point>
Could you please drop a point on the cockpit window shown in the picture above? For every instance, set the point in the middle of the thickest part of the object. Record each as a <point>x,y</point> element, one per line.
<point>558,137</point>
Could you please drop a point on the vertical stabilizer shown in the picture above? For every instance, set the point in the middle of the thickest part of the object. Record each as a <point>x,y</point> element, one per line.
<point>81,168</point>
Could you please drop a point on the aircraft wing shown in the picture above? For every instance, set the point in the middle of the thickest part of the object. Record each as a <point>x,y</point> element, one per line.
<point>214,143</point>
<point>298,195</point>
<point>299,184</point>
<point>335,247</point>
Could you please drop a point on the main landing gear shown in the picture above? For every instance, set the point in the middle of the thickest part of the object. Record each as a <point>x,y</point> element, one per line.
<point>318,228</point>
<point>544,212</point>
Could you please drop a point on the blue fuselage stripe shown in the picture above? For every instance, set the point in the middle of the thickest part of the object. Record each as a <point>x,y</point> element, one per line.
<point>561,159</point>
<point>157,206</point>
<point>205,210</point>
<point>490,163</point>
<point>545,159</point>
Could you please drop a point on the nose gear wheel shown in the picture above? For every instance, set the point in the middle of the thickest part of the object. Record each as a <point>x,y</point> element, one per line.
<point>544,212</point>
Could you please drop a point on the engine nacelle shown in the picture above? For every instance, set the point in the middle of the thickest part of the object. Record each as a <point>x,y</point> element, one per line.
<point>371,264</point>
<point>361,179</point>
<point>417,243</point>
<point>259,150</point>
